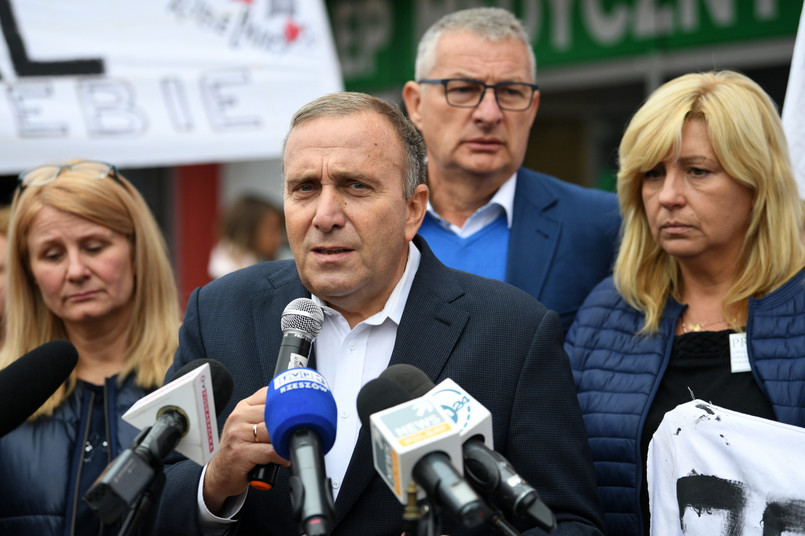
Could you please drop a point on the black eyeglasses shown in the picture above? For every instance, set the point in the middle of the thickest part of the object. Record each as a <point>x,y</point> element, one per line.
<point>49,172</point>
<point>468,93</point>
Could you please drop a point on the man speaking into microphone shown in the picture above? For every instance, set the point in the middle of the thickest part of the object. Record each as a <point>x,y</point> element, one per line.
<point>354,197</point>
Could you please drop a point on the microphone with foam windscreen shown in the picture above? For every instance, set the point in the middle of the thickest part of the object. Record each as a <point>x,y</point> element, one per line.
<point>301,322</point>
<point>179,415</point>
<point>486,470</point>
<point>301,417</point>
<point>413,440</point>
<point>29,381</point>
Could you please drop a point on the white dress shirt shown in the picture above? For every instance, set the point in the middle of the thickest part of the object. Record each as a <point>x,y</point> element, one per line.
<point>342,358</point>
<point>502,201</point>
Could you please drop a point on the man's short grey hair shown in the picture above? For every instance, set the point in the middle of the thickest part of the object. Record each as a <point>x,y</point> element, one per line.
<point>348,103</point>
<point>491,23</point>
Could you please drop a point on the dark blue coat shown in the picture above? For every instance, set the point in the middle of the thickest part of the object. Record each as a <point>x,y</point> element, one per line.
<point>617,375</point>
<point>563,241</point>
<point>494,340</point>
<point>40,461</point>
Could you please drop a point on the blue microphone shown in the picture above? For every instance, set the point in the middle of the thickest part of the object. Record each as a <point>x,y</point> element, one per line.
<point>301,417</point>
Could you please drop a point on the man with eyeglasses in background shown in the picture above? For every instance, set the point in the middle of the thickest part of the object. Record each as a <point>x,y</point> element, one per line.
<point>487,214</point>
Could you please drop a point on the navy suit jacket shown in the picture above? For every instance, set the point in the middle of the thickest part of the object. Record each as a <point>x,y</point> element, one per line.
<point>563,241</point>
<point>494,340</point>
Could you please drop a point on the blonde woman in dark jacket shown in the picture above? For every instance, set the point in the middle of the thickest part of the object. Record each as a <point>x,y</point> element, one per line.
<point>87,263</point>
<point>710,263</point>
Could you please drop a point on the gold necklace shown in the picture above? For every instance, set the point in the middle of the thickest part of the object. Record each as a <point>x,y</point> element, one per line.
<point>700,327</point>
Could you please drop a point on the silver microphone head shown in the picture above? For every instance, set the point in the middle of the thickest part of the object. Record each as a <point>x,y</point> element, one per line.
<point>302,315</point>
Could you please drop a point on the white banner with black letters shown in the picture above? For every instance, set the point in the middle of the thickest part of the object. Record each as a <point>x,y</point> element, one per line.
<point>157,82</point>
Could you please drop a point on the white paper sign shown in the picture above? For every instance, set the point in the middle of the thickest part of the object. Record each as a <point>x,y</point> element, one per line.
<point>739,355</point>
<point>158,82</point>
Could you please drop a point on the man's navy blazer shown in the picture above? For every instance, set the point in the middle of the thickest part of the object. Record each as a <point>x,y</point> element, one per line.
<point>563,241</point>
<point>494,340</point>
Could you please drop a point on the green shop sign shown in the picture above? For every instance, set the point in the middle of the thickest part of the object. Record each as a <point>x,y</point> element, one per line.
<point>376,39</point>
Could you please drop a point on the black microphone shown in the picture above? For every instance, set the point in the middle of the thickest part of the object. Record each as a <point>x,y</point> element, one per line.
<point>486,470</point>
<point>301,322</point>
<point>133,473</point>
<point>29,381</point>
<point>377,395</point>
<point>431,468</point>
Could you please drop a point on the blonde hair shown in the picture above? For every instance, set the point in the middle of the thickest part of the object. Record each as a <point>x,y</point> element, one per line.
<point>748,140</point>
<point>152,335</point>
<point>5,218</point>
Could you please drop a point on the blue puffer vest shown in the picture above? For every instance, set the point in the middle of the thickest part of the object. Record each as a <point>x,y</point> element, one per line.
<point>40,461</point>
<point>617,375</point>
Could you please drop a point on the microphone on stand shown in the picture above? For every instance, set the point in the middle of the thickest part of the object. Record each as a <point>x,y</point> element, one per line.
<point>415,443</point>
<point>486,470</point>
<point>175,416</point>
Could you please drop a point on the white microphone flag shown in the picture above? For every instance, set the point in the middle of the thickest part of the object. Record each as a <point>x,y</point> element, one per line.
<point>192,394</point>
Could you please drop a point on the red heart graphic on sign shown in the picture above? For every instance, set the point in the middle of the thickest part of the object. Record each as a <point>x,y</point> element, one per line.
<point>291,31</point>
